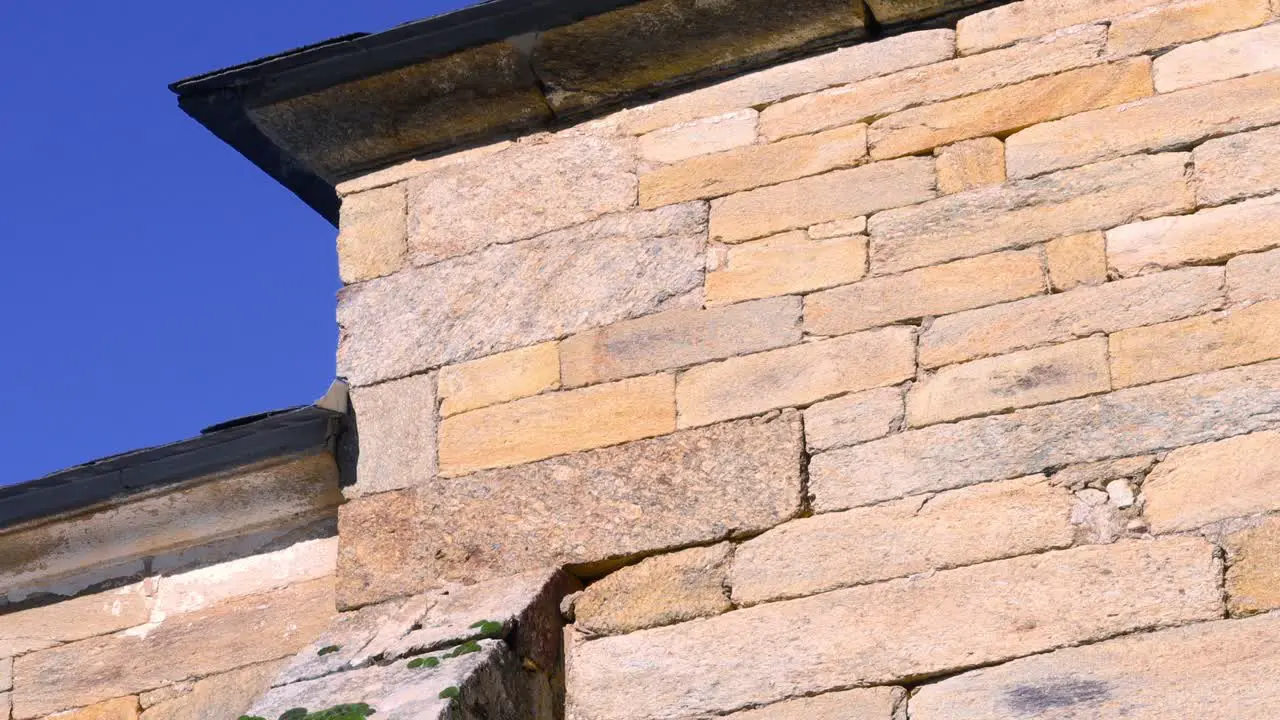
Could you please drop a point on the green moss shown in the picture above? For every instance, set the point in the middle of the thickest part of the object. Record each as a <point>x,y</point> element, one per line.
<point>450,693</point>
<point>488,628</point>
<point>329,650</point>
<point>424,662</point>
<point>350,711</point>
<point>466,648</point>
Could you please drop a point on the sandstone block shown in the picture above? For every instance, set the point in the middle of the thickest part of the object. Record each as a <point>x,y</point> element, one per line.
<point>786,264</point>
<point>1099,474</point>
<point>529,189</point>
<point>838,228</point>
<point>1183,22</point>
<point>397,434</point>
<point>679,338</point>
<point>37,628</point>
<point>512,296</point>
<point>865,545</point>
<point>1253,572</point>
<point>795,376</point>
<point>584,510</point>
<point>1076,260</point>
<point>125,708</point>
<point>1120,424</point>
<point>6,674</point>
<point>1252,278</point>
<point>1107,308</point>
<point>838,195</point>
<point>1220,58</point>
<point>555,424</point>
<point>700,137</point>
<point>1026,212</point>
<point>372,234</point>
<point>1197,485</point>
<point>499,378</point>
<point>1238,336</point>
<point>753,166</point>
<point>870,703</point>
<point>1157,123</point>
<point>1208,670</point>
<point>970,164</point>
<point>1004,109</point>
<point>205,587</point>
<point>939,290</point>
<point>1032,18</point>
<point>936,624</point>
<point>660,590</point>
<point>418,166</point>
<point>1020,379</point>
<point>227,695</point>
<point>853,418</point>
<point>1237,166</point>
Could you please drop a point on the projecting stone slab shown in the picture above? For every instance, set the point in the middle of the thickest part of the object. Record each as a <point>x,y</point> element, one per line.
<point>660,590</point>
<point>219,697</point>
<point>863,704</point>
<point>1198,485</point>
<point>24,631</point>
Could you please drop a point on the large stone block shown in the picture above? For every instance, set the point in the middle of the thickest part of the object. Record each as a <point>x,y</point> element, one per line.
<point>23,631</point>
<point>1031,18</point>
<point>700,137</point>
<point>499,378</point>
<point>220,697</point>
<point>1238,166</point>
<point>397,434</point>
<point>372,234</point>
<point>1253,572</point>
<point>1252,278</point>
<point>205,587</point>
<point>854,418</point>
<point>1220,58</point>
<point>1183,22</point>
<point>661,590</point>
<point>1238,336</point>
<point>1197,485</point>
<point>882,703</point>
<point>791,262</point>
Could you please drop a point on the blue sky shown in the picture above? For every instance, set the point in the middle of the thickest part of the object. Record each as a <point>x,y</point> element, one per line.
<point>153,281</point>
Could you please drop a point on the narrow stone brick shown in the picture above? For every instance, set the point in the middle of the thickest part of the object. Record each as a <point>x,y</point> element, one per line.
<point>970,164</point>
<point>1157,123</point>
<point>499,378</point>
<point>1020,379</point>
<point>72,619</point>
<point>372,234</point>
<point>1253,278</point>
<point>710,176</point>
<point>204,587</point>
<point>795,376</point>
<point>1032,18</point>
<point>1197,485</point>
<point>397,433</point>
<point>1207,237</point>
<point>700,137</point>
<point>1227,56</point>
<point>870,99</point>
<point>125,708</point>
<point>1253,572</point>
<point>1004,109</point>
<point>1210,670</point>
<point>864,704</point>
<point>1076,260</point>
<point>936,624</point>
<point>1237,167</point>
<point>418,166</point>
<point>1183,22</point>
<point>1238,336</point>
<point>838,195</point>
<point>939,290</point>
<point>1026,212</point>
<point>658,591</point>
<point>838,228</point>
<point>227,695</point>
<point>1128,422</point>
<point>786,264</point>
<point>835,550</point>
<point>679,338</point>
<point>854,418</point>
<point>558,423</point>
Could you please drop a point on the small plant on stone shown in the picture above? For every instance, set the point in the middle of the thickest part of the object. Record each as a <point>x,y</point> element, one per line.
<point>466,648</point>
<point>350,711</point>
<point>424,662</point>
<point>329,650</point>
<point>488,628</point>
<point>450,693</point>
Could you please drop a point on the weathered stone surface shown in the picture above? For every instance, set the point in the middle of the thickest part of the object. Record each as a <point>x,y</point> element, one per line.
<point>1209,671</point>
<point>1197,485</point>
<point>528,189</point>
<point>1004,109</point>
<point>970,164</point>
<point>1031,18</point>
<point>6,674</point>
<point>838,228</point>
<point>835,550</point>
<point>795,376</point>
<point>1183,22</point>
<point>1209,342</point>
<point>658,591</point>
<point>1220,58</point>
<point>219,697</point>
<point>499,378</point>
<point>1120,424</point>
<point>939,290</point>
<point>558,423</point>
<point>584,509</point>
<point>1107,308</point>
<point>419,166</point>
<point>1098,474</point>
<point>724,173</point>
<point>701,137</point>
<point>838,195</point>
<point>935,624</point>
<point>350,632</point>
<point>372,234</point>
<point>189,646</point>
<point>208,586</point>
<point>1076,260</point>
<point>864,703</point>
<point>1021,379</point>
<point>397,434</point>
<point>1237,166</point>
<point>679,338</point>
<point>23,631</point>
<point>854,418</point>
<point>786,263</point>
<point>125,708</point>
<point>897,11</point>
<point>1157,123</point>
<point>516,295</point>
<point>874,98</point>
<point>6,704</point>
<point>1026,212</point>
<point>1252,278</point>
<point>1253,572</point>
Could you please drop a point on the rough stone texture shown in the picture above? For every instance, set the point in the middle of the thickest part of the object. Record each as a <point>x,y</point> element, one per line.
<point>419,166</point>
<point>1238,336</point>
<point>397,434</point>
<point>934,624</point>
<point>838,228</point>
<point>1238,166</point>
<point>1207,237</point>
<point>970,164</point>
<point>351,632</point>
<point>787,263</point>
<point>1197,485</point>
<point>1210,671</point>
<point>1183,22</point>
<point>529,189</point>
<point>1098,474</point>
<point>1228,56</point>
<point>835,550</point>
<point>372,234</point>
<point>838,195</point>
<point>205,587</point>
<point>499,378</point>
<point>1253,572</point>
<point>6,704</point>
<point>700,137</point>
<point>1010,108</point>
<point>1026,212</point>
<point>1031,18</point>
<point>6,674</point>
<point>1081,312</point>
<point>1252,278</point>
<point>873,98</point>
<point>1020,379</point>
<point>658,591</point>
<point>188,646</point>
<point>862,704</point>
<point>584,509</point>
<point>939,290</point>
<point>710,176</point>
<point>125,708</point>
<point>558,423</point>
<point>1076,260</point>
<point>853,418</point>
<point>221,697</point>
<point>516,295</point>
<point>795,376</point>
<point>1156,123</point>
<point>679,338</point>
<point>23,631</point>
<point>899,11</point>
<point>1120,424</point>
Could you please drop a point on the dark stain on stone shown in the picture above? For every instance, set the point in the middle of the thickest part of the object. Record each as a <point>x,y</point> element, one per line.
<point>1033,699</point>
